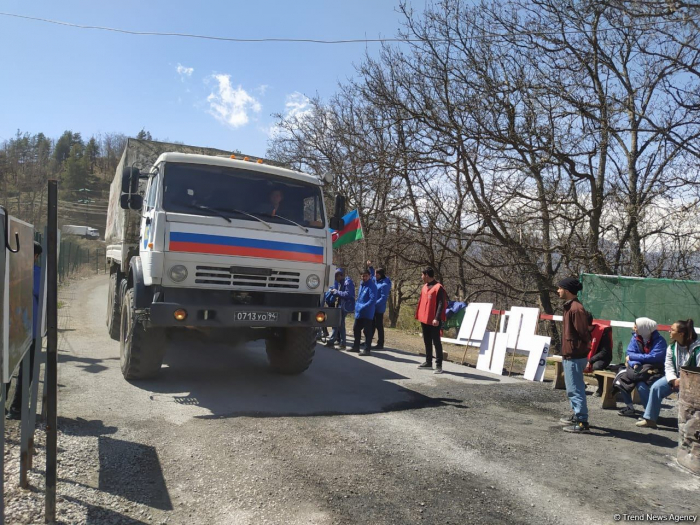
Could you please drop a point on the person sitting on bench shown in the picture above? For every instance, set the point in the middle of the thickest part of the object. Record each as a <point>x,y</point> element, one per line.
<point>683,351</point>
<point>645,356</point>
<point>600,355</point>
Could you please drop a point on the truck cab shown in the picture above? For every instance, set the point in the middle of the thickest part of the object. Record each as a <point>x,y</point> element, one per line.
<point>234,249</point>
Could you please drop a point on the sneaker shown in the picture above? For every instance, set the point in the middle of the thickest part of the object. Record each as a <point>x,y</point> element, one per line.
<point>341,347</point>
<point>378,347</point>
<point>571,420</point>
<point>426,365</point>
<point>646,423</point>
<point>438,370</point>
<point>627,412</point>
<point>354,350</point>
<point>330,344</point>
<point>580,427</point>
<point>365,352</point>
<point>14,413</point>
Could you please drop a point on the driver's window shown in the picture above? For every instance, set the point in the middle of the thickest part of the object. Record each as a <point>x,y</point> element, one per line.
<point>152,192</point>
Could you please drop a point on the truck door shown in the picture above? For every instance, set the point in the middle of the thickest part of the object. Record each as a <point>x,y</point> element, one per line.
<point>147,216</point>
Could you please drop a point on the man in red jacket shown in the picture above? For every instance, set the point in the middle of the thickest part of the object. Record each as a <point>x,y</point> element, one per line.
<point>575,345</point>
<point>431,314</point>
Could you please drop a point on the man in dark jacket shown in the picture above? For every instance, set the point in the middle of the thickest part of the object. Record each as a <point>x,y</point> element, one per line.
<point>364,313</point>
<point>575,345</point>
<point>431,314</point>
<point>383,290</point>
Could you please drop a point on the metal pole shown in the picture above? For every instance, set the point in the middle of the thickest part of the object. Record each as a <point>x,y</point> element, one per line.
<point>24,418</point>
<point>515,347</point>
<point>470,336</point>
<point>51,356</point>
<point>3,386</point>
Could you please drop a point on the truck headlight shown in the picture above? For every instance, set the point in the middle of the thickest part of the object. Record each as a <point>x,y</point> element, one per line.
<point>312,281</point>
<point>178,273</point>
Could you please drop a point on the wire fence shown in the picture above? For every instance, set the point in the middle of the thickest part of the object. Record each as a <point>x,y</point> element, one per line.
<point>74,259</point>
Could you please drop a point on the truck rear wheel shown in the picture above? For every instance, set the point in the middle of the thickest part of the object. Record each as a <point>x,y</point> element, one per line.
<point>141,351</point>
<point>114,310</point>
<point>291,351</point>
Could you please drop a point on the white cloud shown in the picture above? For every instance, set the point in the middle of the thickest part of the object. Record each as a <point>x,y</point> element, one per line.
<point>184,71</point>
<point>297,107</point>
<point>230,105</point>
<point>262,89</point>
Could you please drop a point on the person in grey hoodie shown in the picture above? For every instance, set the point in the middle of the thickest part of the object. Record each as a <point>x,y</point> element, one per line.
<point>383,290</point>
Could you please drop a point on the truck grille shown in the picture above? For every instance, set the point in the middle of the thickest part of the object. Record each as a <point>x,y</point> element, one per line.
<point>222,276</point>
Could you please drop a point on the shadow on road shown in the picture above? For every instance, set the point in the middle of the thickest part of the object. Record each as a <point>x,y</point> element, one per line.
<point>129,470</point>
<point>234,382</point>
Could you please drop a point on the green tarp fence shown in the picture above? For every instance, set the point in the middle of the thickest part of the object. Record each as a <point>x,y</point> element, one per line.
<point>627,298</point>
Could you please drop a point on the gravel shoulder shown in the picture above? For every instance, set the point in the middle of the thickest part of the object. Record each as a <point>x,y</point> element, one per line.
<point>218,439</point>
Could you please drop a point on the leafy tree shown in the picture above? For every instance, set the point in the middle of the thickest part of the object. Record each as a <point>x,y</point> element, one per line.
<point>144,135</point>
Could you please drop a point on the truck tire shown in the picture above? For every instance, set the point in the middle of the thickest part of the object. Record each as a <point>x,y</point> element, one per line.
<point>292,351</point>
<point>141,350</point>
<point>114,310</point>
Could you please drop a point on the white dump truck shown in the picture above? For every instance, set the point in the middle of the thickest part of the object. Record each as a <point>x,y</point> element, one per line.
<point>233,249</point>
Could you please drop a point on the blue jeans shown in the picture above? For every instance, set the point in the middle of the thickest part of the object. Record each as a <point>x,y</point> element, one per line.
<point>338,333</point>
<point>576,387</point>
<point>642,390</point>
<point>658,392</point>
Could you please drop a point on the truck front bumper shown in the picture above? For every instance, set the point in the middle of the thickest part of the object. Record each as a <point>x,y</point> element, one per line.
<point>222,316</point>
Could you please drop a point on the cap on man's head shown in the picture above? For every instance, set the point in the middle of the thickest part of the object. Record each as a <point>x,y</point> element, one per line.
<point>38,250</point>
<point>429,271</point>
<point>339,271</point>
<point>571,284</point>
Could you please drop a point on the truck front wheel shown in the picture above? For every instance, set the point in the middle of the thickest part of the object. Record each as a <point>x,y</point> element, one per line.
<point>141,351</point>
<point>113,307</point>
<point>291,350</point>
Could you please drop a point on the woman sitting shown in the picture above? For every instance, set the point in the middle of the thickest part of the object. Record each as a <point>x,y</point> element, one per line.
<point>645,361</point>
<point>683,351</point>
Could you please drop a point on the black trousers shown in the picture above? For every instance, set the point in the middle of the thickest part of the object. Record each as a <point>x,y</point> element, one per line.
<point>360,326</point>
<point>431,336</point>
<point>599,365</point>
<point>378,325</point>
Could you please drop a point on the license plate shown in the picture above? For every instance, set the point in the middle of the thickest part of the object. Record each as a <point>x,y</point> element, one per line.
<point>264,317</point>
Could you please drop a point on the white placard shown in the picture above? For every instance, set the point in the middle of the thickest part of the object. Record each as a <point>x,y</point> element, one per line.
<point>537,360</point>
<point>474,324</point>
<point>483,362</point>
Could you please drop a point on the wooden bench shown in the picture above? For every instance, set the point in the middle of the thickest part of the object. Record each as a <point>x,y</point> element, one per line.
<point>608,396</point>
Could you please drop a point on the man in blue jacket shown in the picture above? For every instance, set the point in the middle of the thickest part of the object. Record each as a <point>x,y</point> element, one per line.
<point>364,313</point>
<point>345,294</point>
<point>15,411</point>
<point>383,290</point>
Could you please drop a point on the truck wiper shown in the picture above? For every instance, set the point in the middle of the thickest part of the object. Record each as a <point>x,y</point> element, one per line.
<point>306,230</point>
<point>213,210</point>
<point>234,210</point>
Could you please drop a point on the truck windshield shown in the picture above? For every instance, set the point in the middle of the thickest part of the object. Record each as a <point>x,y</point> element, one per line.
<point>248,195</point>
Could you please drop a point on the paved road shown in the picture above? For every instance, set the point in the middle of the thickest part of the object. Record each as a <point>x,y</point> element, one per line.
<point>218,439</point>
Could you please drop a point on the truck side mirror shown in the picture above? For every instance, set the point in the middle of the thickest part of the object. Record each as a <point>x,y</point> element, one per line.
<point>131,202</point>
<point>337,224</point>
<point>130,179</point>
<point>339,206</point>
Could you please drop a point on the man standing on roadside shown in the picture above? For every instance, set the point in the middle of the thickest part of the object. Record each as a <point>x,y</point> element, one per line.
<point>344,291</point>
<point>575,345</point>
<point>383,290</point>
<point>431,314</point>
<point>364,313</point>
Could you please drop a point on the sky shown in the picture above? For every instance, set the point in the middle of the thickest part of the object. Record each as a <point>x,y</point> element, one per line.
<point>199,92</point>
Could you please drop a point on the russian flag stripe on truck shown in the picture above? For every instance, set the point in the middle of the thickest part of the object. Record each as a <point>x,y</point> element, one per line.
<point>244,247</point>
